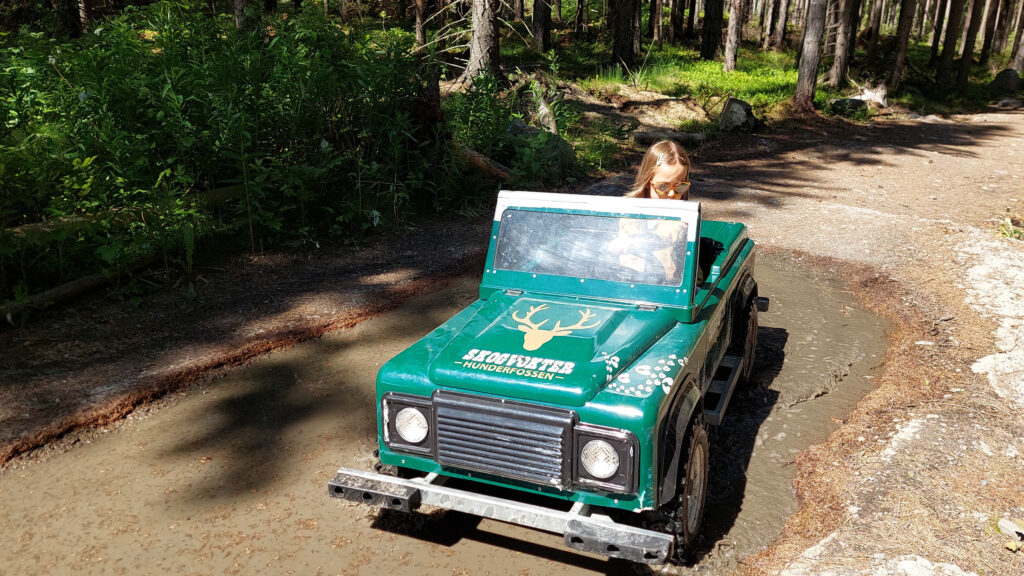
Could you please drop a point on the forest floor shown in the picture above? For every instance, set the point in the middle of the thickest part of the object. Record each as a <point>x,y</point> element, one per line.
<point>905,211</point>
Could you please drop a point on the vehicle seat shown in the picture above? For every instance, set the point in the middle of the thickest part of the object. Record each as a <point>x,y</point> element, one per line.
<point>707,251</point>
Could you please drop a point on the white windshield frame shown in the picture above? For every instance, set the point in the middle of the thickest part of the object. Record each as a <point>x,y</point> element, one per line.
<point>617,206</point>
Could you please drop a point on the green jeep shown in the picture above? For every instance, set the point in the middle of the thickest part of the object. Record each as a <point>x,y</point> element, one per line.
<point>574,395</point>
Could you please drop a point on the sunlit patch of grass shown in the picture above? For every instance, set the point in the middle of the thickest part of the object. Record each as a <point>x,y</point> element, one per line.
<point>761,78</point>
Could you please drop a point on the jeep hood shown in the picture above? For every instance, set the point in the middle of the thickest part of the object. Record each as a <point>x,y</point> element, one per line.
<point>554,350</point>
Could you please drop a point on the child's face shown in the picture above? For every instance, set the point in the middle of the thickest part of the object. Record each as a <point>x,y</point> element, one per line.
<point>670,181</point>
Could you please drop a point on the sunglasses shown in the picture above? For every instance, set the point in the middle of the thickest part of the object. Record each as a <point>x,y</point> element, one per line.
<point>666,190</point>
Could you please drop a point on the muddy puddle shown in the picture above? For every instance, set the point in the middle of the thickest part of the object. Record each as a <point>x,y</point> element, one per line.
<point>230,477</point>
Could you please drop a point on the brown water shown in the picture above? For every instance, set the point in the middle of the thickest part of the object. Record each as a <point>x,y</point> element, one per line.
<point>230,478</point>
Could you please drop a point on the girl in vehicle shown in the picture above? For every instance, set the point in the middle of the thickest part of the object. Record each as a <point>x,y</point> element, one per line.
<point>664,173</point>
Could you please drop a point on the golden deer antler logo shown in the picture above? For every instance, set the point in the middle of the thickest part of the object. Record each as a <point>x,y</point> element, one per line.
<point>535,337</point>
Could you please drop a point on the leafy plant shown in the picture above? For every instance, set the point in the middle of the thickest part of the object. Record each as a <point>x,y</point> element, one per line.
<point>1007,229</point>
<point>480,116</point>
<point>163,120</point>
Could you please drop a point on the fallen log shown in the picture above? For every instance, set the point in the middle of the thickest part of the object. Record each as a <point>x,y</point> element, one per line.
<point>37,231</point>
<point>14,308</point>
<point>481,163</point>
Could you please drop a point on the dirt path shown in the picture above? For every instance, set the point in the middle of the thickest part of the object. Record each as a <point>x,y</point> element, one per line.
<point>930,461</point>
<point>231,477</point>
<point>921,471</point>
<point>92,362</point>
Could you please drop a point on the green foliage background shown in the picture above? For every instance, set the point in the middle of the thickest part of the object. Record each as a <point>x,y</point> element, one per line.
<point>311,129</point>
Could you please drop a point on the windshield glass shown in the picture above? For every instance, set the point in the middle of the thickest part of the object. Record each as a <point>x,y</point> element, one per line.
<point>616,248</point>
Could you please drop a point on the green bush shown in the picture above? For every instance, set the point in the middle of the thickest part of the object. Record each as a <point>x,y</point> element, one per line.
<point>308,128</point>
<point>479,117</point>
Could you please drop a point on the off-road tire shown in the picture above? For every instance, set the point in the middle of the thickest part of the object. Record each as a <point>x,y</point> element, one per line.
<point>692,493</point>
<point>744,343</point>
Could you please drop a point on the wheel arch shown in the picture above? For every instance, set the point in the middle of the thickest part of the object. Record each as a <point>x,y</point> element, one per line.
<point>673,437</point>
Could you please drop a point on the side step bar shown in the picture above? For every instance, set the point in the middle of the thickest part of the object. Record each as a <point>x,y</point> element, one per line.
<point>581,528</point>
<point>716,399</point>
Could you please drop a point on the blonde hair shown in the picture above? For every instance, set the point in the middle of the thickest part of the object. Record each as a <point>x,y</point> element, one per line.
<point>659,154</point>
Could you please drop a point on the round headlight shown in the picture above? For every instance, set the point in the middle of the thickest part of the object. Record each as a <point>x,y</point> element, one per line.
<point>411,425</point>
<point>600,459</point>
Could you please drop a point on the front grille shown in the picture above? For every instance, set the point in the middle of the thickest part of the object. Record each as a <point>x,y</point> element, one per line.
<point>503,438</point>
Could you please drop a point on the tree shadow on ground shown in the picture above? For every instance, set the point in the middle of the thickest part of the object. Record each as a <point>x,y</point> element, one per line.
<point>768,166</point>
<point>103,356</point>
<point>266,416</point>
<point>763,170</point>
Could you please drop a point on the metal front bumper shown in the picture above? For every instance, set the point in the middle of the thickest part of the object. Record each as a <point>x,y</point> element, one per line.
<point>583,530</point>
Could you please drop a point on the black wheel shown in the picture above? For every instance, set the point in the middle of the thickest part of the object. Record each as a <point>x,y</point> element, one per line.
<point>744,342</point>
<point>692,492</point>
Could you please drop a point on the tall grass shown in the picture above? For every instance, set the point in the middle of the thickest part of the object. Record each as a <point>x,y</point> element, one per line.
<point>318,130</point>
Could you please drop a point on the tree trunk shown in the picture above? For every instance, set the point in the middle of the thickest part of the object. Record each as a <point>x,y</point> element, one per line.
<point>1018,58</point>
<point>967,59</point>
<point>541,25</point>
<point>558,12</point>
<point>1004,20</point>
<point>780,24</point>
<point>810,55</point>
<point>831,24</point>
<point>875,26</point>
<point>851,46</point>
<point>965,26</point>
<point>1019,26</point>
<point>691,15</point>
<point>658,16</point>
<point>675,21</point>
<point>766,27</point>
<point>940,18</point>
<point>240,20</point>
<point>711,34</point>
<point>84,14</point>
<point>623,15</point>
<point>483,44</point>
<point>421,33</point>
<point>638,18</point>
<point>733,35</point>
<point>991,10</point>
<point>924,8</point>
<point>517,10</point>
<point>837,75</point>
<point>955,11</point>
<point>582,20</point>
<point>906,21</point>
<point>68,17</point>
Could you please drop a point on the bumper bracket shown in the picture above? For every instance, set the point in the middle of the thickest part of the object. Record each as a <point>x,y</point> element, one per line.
<point>582,529</point>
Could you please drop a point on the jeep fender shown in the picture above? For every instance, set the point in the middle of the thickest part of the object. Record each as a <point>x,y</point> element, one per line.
<point>686,404</point>
<point>746,287</point>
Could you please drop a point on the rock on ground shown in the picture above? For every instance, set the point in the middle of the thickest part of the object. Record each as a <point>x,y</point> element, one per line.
<point>1006,82</point>
<point>815,562</point>
<point>995,288</point>
<point>738,115</point>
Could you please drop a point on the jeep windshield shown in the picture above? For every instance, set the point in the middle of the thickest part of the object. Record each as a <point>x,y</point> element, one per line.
<point>645,249</point>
